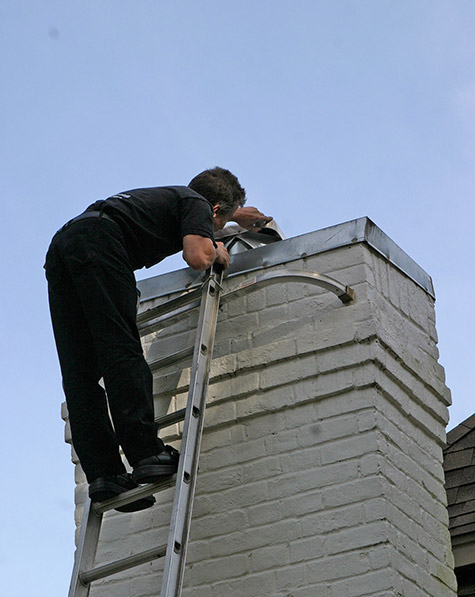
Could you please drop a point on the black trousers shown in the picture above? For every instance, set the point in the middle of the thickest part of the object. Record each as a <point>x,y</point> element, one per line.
<point>92,297</point>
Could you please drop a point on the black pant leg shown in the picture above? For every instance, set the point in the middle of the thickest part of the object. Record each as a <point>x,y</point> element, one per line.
<point>94,439</point>
<point>97,262</point>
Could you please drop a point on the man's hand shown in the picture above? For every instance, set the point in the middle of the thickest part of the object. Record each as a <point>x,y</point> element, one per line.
<point>250,218</point>
<point>222,255</point>
<point>200,253</point>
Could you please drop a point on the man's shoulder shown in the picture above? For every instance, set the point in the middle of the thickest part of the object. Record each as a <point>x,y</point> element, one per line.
<point>186,192</point>
<point>179,191</point>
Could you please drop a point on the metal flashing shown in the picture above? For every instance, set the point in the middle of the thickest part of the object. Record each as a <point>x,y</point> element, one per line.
<point>361,230</point>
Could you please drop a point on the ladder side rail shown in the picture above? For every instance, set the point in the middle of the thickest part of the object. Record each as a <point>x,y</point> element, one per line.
<point>86,550</point>
<point>191,440</point>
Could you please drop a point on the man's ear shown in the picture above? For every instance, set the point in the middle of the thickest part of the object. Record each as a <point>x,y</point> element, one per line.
<point>216,208</point>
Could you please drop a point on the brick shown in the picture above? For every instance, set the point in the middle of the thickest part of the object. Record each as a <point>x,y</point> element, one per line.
<point>325,476</point>
<point>349,447</point>
<point>269,557</point>
<point>307,549</point>
<point>273,399</point>
<point>302,504</point>
<point>296,292</point>
<point>413,384</point>
<point>350,402</point>
<point>360,586</point>
<point>240,342</point>
<point>197,550</point>
<point>267,512</point>
<point>289,328</point>
<point>338,567</point>
<point>244,384</point>
<point>235,306</point>
<point>249,539</point>
<point>287,372</point>
<point>271,314</point>
<point>367,536</point>
<point>326,431</point>
<point>268,424</point>
<point>218,569</point>
<point>418,446</point>
<point>370,464</point>
<point>283,486</point>
<point>311,591</point>
<point>240,497</point>
<point>353,492</point>
<point>265,468</point>
<point>376,508</point>
<point>256,300</point>
<point>202,591</point>
<point>415,490</point>
<point>291,577</point>
<point>323,522</point>
<point>222,413</point>
<point>298,417</point>
<point>228,478</point>
<point>234,454</point>
<point>275,351</point>
<point>281,442</point>
<point>218,524</point>
<point>380,557</point>
<point>262,583</point>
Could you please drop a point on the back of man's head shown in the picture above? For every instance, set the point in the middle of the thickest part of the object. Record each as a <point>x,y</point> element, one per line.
<point>219,187</point>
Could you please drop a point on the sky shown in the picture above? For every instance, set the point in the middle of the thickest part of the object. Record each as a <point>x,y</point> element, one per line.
<point>326,110</point>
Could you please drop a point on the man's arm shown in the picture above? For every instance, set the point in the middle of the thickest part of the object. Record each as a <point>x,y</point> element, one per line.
<point>200,254</point>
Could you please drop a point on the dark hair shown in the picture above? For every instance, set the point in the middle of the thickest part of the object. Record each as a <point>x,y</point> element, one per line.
<point>219,187</point>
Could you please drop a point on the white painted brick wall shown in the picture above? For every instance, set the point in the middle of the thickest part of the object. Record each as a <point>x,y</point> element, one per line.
<point>321,467</point>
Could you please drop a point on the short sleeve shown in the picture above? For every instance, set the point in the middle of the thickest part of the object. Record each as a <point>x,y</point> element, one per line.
<point>196,217</point>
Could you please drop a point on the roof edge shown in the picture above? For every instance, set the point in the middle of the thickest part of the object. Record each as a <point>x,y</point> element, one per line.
<point>460,431</point>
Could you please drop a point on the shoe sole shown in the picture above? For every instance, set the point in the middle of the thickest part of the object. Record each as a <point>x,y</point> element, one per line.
<point>138,505</point>
<point>108,489</point>
<point>153,472</point>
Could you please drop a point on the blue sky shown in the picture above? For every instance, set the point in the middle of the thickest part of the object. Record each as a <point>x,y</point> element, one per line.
<point>327,110</point>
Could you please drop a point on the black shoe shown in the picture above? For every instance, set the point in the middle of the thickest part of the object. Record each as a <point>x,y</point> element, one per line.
<point>104,488</point>
<point>155,468</point>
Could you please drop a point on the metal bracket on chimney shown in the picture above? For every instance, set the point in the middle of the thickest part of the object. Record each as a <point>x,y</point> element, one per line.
<point>152,319</point>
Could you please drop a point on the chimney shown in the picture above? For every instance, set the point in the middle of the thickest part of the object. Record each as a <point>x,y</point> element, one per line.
<point>321,469</point>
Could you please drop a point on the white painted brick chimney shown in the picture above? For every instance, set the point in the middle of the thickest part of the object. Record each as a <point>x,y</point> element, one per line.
<point>321,466</point>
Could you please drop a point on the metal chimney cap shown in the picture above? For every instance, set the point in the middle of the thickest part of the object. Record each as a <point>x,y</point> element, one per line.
<point>237,239</point>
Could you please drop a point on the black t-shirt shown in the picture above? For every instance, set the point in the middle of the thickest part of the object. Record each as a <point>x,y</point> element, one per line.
<point>155,220</point>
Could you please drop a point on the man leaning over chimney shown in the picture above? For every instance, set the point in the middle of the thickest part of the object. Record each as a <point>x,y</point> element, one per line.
<point>92,295</point>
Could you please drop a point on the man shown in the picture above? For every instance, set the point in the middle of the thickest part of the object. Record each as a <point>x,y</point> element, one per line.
<point>92,296</point>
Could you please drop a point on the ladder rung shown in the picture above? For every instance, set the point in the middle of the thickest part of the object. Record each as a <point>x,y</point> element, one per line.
<point>122,564</point>
<point>168,307</point>
<point>134,494</point>
<point>173,358</point>
<point>175,417</point>
<point>157,323</point>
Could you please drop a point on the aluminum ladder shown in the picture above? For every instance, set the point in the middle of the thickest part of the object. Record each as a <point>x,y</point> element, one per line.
<point>207,296</point>
<point>84,572</point>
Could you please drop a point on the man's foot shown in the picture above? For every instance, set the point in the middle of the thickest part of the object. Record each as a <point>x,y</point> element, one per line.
<point>104,488</point>
<point>155,468</point>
